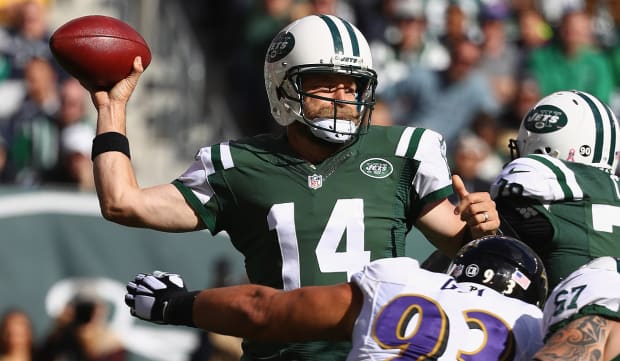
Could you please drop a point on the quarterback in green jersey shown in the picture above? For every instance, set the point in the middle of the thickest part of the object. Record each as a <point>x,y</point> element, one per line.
<point>314,205</point>
<point>562,196</point>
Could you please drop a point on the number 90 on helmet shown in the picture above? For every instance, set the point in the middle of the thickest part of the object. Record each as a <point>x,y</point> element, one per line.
<point>504,264</point>
<point>573,126</point>
<point>319,44</point>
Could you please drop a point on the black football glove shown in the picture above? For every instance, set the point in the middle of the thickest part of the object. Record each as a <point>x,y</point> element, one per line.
<point>160,297</point>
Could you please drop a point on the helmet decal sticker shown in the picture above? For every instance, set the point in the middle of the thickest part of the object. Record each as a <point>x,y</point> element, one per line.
<point>521,279</point>
<point>571,154</point>
<point>472,270</point>
<point>585,150</point>
<point>456,270</point>
<point>545,119</point>
<point>281,45</point>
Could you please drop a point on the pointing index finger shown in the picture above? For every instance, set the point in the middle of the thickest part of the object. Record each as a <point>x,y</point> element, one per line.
<point>459,186</point>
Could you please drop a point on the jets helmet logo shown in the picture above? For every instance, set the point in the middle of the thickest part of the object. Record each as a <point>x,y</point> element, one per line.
<point>280,47</point>
<point>545,119</point>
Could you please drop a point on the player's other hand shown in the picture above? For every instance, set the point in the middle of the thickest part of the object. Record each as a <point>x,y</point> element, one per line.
<point>150,295</point>
<point>477,209</point>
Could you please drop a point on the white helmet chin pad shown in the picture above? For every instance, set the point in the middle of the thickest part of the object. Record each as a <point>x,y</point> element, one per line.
<point>333,130</point>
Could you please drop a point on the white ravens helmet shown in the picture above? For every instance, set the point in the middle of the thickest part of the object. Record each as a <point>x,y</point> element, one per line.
<point>573,126</point>
<point>319,44</point>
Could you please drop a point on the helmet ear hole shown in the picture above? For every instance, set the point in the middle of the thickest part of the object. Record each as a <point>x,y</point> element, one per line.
<point>279,92</point>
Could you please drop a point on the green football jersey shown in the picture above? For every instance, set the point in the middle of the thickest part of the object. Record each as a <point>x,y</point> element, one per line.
<point>299,224</point>
<point>581,202</point>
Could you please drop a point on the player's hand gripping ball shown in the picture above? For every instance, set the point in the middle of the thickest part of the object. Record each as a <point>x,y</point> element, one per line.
<point>98,50</point>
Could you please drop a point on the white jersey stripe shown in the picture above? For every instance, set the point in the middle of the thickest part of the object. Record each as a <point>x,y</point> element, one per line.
<point>205,156</point>
<point>569,175</point>
<point>435,165</point>
<point>227,161</point>
<point>403,143</point>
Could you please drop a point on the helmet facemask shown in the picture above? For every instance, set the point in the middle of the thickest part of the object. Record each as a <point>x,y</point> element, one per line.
<point>339,124</point>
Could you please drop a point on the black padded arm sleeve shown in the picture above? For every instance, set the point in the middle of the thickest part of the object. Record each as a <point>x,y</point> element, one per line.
<point>520,220</point>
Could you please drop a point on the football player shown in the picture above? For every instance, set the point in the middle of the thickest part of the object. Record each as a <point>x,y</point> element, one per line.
<point>315,204</point>
<point>560,193</point>
<point>582,315</point>
<point>486,308</point>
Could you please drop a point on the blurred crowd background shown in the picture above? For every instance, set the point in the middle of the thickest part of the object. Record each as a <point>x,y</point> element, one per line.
<point>466,68</point>
<point>469,69</point>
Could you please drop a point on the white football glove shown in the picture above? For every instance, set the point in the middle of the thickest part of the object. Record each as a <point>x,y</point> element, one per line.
<point>160,297</point>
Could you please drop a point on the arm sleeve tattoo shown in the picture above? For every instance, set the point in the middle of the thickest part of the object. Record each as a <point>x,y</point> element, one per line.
<point>582,339</point>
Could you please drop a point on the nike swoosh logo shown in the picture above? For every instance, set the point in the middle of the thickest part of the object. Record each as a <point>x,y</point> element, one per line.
<point>514,170</point>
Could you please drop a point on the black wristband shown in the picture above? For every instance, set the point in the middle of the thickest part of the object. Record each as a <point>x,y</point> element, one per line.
<point>110,142</point>
<point>180,309</point>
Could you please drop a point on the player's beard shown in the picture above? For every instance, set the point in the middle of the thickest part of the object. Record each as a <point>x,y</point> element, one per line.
<point>342,112</point>
<point>313,113</point>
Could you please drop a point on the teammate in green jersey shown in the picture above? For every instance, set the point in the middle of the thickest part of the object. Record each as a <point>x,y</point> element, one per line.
<point>561,196</point>
<point>310,207</point>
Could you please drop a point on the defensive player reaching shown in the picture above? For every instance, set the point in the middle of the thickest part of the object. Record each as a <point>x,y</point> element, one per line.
<point>560,194</point>
<point>582,315</point>
<point>310,207</point>
<point>487,308</point>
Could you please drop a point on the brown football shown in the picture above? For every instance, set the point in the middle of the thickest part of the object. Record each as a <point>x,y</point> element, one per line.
<point>98,50</point>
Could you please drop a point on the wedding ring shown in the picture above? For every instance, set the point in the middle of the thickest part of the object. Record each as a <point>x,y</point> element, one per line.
<point>486,216</point>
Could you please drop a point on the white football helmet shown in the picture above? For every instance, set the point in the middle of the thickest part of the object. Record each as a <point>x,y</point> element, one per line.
<point>570,125</point>
<point>319,44</point>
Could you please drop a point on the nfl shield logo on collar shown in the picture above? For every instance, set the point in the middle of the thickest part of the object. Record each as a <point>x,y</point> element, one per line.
<point>315,181</point>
